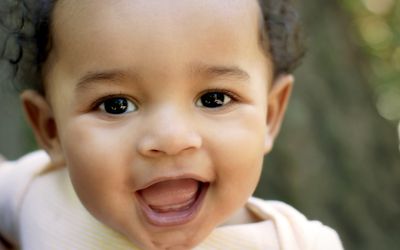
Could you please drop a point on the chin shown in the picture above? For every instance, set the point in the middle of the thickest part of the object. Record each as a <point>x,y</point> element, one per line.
<point>171,241</point>
<point>175,237</point>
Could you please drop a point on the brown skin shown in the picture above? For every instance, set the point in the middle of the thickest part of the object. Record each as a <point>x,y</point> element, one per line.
<point>162,55</point>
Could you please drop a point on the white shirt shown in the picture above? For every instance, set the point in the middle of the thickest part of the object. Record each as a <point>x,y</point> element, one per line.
<point>40,210</point>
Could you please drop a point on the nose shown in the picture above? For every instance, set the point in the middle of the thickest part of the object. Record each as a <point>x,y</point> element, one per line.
<point>168,133</point>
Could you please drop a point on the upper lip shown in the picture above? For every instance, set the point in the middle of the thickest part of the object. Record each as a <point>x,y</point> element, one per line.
<point>172,177</point>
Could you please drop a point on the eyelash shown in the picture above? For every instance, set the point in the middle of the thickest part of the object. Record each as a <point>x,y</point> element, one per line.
<point>98,102</point>
<point>234,97</point>
<point>229,93</point>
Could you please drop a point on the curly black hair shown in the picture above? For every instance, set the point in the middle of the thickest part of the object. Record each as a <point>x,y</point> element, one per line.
<point>26,38</point>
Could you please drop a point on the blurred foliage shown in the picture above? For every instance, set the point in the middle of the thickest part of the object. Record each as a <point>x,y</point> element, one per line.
<point>337,157</point>
<point>377,23</point>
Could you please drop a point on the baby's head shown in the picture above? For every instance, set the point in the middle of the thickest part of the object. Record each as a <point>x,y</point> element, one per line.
<point>161,110</point>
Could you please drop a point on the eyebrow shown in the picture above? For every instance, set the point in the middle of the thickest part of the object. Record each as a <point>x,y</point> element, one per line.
<point>211,71</point>
<point>216,71</point>
<point>98,76</point>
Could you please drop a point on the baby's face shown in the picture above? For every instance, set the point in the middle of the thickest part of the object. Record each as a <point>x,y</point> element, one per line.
<point>161,112</point>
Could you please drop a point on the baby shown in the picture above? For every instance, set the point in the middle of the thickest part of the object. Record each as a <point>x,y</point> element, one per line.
<point>155,117</point>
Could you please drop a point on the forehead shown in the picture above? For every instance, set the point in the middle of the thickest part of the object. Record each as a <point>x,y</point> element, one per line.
<point>155,29</point>
<point>152,13</point>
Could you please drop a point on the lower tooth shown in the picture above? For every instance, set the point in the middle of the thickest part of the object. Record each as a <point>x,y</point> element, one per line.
<point>174,208</point>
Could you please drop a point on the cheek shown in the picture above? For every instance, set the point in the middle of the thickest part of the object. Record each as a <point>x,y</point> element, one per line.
<point>95,162</point>
<point>238,150</point>
<point>88,143</point>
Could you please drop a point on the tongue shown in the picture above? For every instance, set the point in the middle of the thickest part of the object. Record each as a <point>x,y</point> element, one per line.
<point>171,194</point>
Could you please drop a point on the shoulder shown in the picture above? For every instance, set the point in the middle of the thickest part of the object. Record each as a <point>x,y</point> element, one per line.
<point>13,174</point>
<point>15,178</point>
<point>293,229</point>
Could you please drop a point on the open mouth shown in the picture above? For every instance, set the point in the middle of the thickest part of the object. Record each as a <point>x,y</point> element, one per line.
<point>172,202</point>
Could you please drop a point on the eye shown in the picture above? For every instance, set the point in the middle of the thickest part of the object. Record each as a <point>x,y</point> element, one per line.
<point>117,106</point>
<point>213,99</point>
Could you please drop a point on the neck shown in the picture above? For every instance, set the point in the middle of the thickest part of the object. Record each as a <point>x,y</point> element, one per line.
<point>243,216</point>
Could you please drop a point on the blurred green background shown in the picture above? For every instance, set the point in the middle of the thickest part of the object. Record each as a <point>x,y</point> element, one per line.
<point>337,158</point>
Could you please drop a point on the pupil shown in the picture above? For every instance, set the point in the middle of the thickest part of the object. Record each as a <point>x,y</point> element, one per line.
<point>116,105</point>
<point>213,100</point>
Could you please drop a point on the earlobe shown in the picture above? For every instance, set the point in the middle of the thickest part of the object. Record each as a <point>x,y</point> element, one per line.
<point>41,119</point>
<point>278,98</point>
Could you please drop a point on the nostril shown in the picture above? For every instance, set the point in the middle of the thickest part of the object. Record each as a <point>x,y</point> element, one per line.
<point>158,145</point>
<point>152,153</point>
<point>155,152</point>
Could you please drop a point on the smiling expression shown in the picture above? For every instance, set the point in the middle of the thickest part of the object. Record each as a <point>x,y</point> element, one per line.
<point>160,110</point>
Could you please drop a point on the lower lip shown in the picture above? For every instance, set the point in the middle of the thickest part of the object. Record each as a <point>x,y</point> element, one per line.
<point>174,218</point>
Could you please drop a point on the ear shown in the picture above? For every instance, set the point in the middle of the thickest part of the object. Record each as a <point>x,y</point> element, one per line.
<point>41,119</point>
<point>278,98</point>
